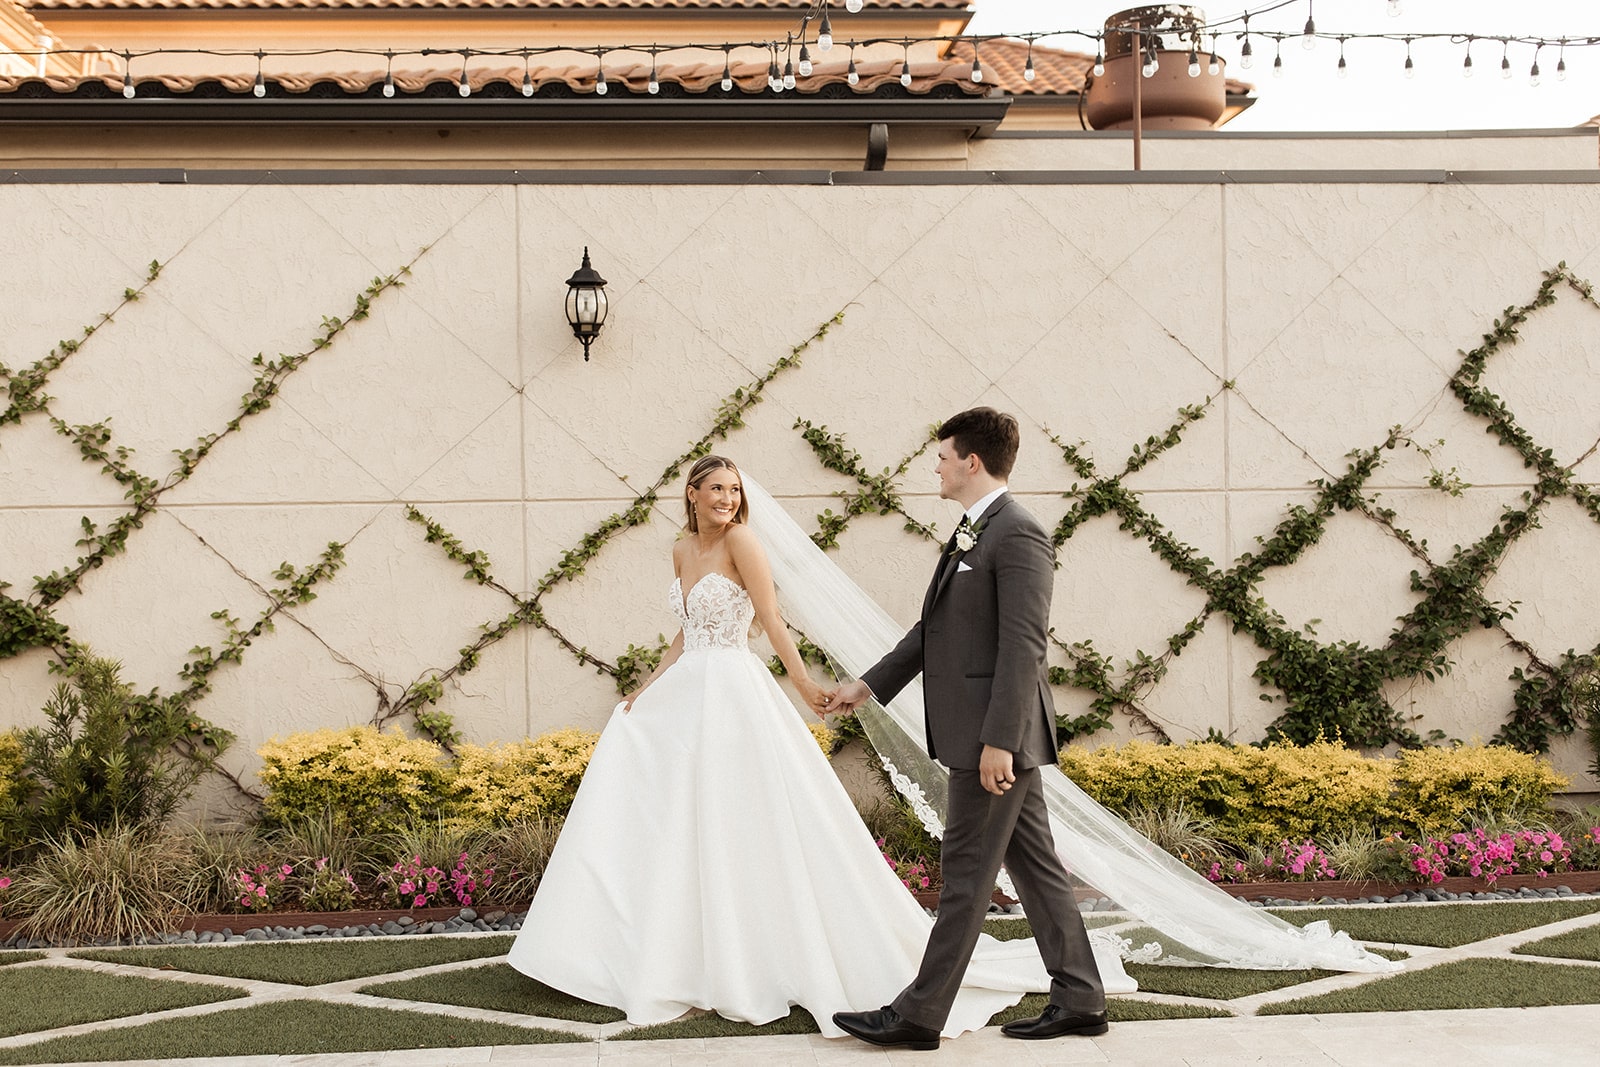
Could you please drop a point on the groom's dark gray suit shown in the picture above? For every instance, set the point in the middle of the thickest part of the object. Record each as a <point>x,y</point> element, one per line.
<point>980,648</point>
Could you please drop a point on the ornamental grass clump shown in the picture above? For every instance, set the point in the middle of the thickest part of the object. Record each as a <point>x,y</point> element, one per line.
<point>536,778</point>
<point>376,781</point>
<point>118,882</point>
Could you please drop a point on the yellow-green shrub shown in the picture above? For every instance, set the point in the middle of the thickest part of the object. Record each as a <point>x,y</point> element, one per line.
<point>376,781</point>
<point>1442,790</point>
<point>502,783</point>
<point>11,762</point>
<point>1260,796</point>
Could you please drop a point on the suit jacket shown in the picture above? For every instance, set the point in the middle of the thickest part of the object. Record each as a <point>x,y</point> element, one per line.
<point>980,646</point>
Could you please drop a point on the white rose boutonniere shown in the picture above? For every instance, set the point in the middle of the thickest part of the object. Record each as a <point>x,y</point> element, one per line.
<point>967,534</point>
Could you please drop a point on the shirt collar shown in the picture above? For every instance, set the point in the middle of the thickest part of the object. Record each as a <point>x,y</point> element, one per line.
<point>975,512</point>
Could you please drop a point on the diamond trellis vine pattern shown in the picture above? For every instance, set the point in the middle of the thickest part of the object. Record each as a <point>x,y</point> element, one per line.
<point>1324,687</point>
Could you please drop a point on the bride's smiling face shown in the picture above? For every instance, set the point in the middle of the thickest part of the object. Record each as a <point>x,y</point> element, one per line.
<point>716,499</point>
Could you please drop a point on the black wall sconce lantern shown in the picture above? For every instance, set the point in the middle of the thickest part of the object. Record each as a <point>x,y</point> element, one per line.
<point>586,303</point>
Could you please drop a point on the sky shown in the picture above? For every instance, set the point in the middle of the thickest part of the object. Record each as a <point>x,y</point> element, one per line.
<point>1375,94</point>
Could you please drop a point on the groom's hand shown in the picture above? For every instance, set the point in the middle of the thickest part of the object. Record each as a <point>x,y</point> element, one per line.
<point>994,770</point>
<point>847,696</point>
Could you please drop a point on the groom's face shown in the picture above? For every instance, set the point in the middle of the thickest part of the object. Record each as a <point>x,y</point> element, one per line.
<point>954,472</point>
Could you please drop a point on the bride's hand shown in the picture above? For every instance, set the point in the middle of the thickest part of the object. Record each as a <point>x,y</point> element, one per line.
<point>627,701</point>
<point>814,695</point>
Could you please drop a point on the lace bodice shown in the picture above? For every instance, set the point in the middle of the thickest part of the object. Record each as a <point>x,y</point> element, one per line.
<point>717,613</point>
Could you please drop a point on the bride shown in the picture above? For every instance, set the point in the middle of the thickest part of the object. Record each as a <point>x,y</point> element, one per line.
<point>711,859</point>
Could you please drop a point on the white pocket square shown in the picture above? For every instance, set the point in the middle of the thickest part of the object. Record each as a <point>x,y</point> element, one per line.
<point>960,566</point>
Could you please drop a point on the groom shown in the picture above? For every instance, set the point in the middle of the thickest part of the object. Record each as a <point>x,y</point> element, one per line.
<point>980,647</point>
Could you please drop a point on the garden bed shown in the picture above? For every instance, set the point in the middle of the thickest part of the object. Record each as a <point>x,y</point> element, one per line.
<point>333,920</point>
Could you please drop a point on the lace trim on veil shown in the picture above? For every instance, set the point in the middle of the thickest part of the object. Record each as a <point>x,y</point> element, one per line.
<point>1211,927</point>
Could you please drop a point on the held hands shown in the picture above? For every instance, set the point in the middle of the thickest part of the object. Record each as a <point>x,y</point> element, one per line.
<point>816,697</point>
<point>847,697</point>
<point>994,770</point>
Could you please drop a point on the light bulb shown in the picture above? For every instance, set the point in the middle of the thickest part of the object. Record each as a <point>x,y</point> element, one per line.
<point>1027,69</point>
<point>852,76</point>
<point>905,76</point>
<point>1214,67</point>
<point>127,88</point>
<point>853,6</point>
<point>388,84</point>
<point>1277,66</point>
<point>1466,66</point>
<point>788,74</point>
<point>1247,57</point>
<point>466,88</point>
<point>805,62</point>
<point>1561,70</point>
<point>1344,68</point>
<point>260,89</point>
<point>977,71</point>
<point>652,86</point>
<point>727,78</point>
<point>527,83</point>
<point>1411,68</point>
<point>1505,66</point>
<point>1148,70</point>
<point>1194,65</point>
<point>825,35</point>
<point>1308,38</point>
<point>1533,74</point>
<point>1099,65</point>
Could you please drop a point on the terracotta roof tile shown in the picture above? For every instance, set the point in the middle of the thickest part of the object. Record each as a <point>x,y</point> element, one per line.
<point>689,78</point>
<point>1055,71</point>
<point>178,5</point>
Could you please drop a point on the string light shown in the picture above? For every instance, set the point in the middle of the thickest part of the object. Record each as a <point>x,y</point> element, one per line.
<point>977,71</point>
<point>1151,63</point>
<point>1344,68</point>
<point>825,34</point>
<point>260,87</point>
<point>1194,63</point>
<point>1308,38</point>
<point>905,65</point>
<point>653,86</point>
<point>1277,60</point>
<point>805,61</point>
<point>788,73</point>
<point>1505,59</point>
<point>853,6</point>
<point>774,79</point>
<point>1411,68</point>
<point>1099,58</point>
<point>1533,71</point>
<point>600,86</point>
<point>1247,58</point>
<point>727,74</point>
<point>1027,66</point>
<point>466,86</point>
<point>128,90</point>
<point>1561,62</point>
<point>1214,67</point>
<point>1466,64</point>
<point>388,77</point>
<point>527,75</point>
<point>852,75</point>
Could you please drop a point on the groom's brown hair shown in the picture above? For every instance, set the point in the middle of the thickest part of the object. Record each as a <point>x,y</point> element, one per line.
<point>992,434</point>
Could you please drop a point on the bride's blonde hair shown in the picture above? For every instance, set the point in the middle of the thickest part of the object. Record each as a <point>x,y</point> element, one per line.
<point>697,474</point>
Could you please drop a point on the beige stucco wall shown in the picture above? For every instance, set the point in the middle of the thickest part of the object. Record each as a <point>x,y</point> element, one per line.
<point>1091,311</point>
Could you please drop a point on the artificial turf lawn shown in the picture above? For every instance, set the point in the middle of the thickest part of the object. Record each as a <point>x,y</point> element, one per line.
<point>499,988</point>
<point>43,998</point>
<point>1118,1010</point>
<point>1440,925</point>
<point>285,1028</point>
<point>1578,945</point>
<point>18,956</point>
<point>1485,983</point>
<point>307,963</point>
<point>798,1021</point>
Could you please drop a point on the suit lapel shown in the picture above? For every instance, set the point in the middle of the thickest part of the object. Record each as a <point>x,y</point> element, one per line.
<point>948,563</point>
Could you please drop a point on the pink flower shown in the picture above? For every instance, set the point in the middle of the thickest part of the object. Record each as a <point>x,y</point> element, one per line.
<point>5,883</point>
<point>419,901</point>
<point>1545,857</point>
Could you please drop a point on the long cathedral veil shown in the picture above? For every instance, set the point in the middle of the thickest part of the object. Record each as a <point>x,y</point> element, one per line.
<point>1205,925</point>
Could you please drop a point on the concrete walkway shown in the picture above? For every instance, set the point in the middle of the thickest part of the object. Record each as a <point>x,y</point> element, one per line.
<point>1535,1036</point>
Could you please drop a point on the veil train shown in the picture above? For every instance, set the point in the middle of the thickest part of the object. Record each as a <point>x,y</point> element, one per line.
<point>1210,927</point>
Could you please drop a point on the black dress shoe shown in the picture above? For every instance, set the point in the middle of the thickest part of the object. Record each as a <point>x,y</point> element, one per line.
<point>885,1027</point>
<point>1056,1021</point>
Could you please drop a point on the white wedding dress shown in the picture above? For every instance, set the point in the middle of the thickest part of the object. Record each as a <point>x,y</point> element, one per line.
<point>712,860</point>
